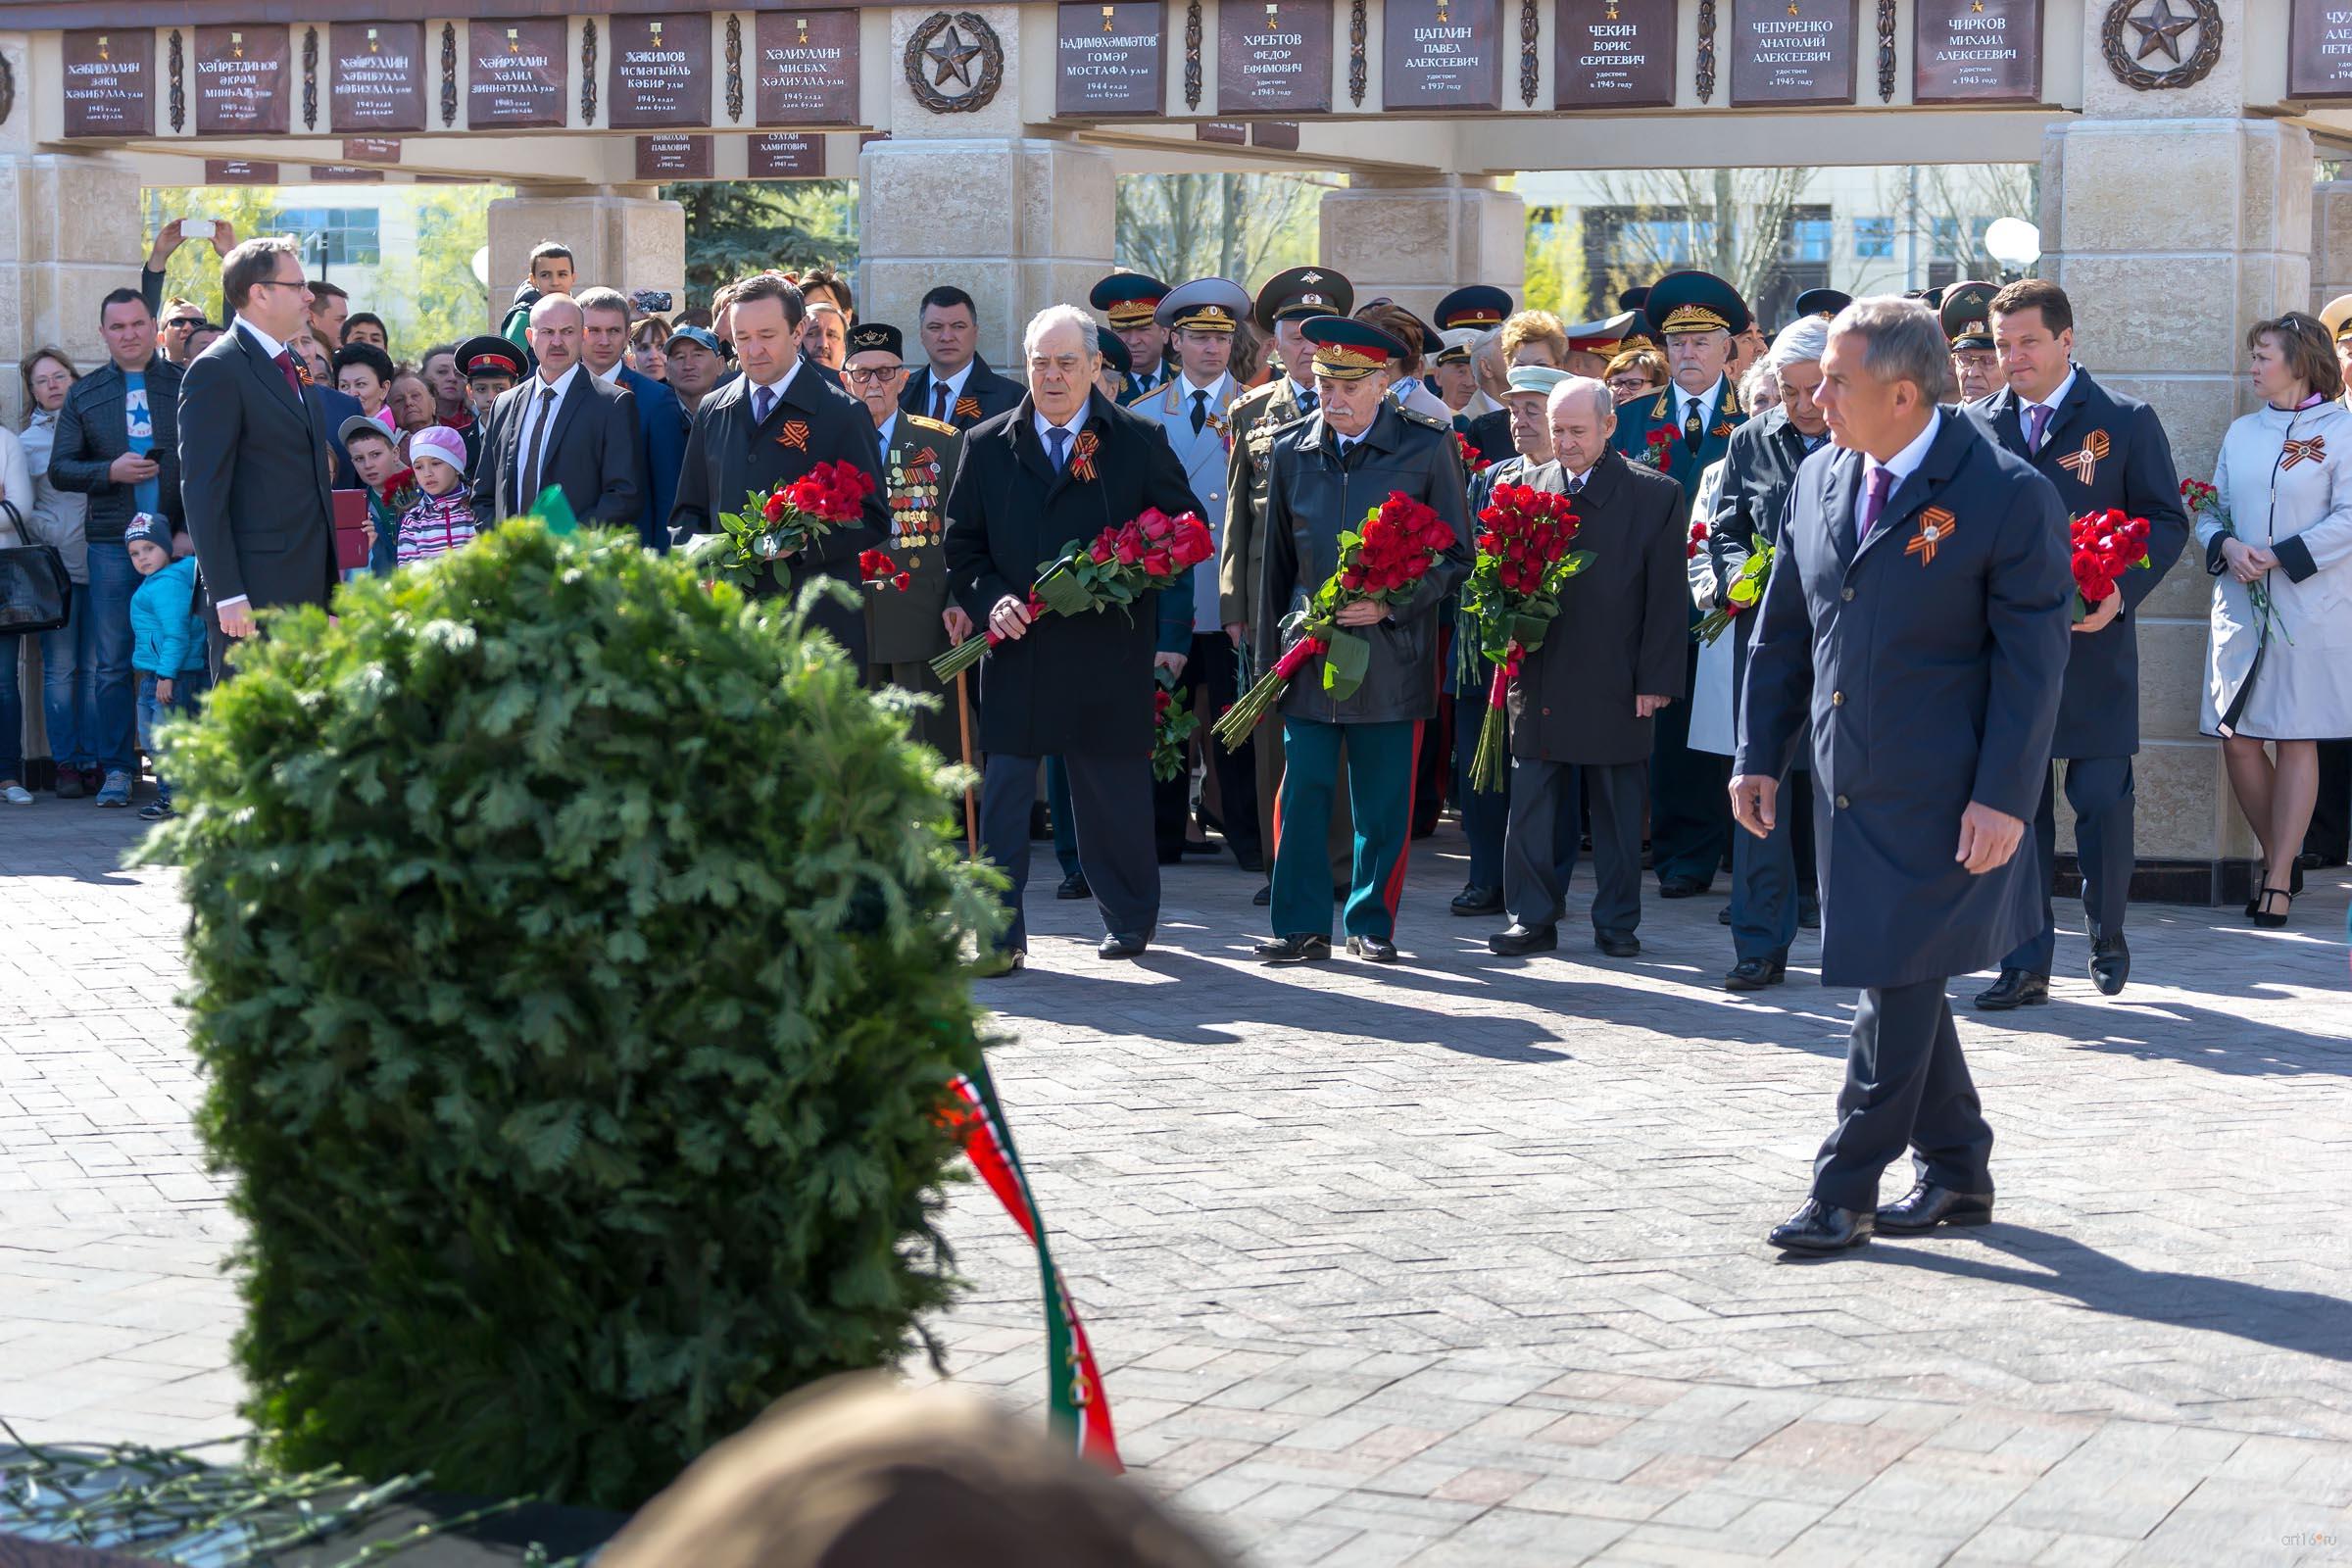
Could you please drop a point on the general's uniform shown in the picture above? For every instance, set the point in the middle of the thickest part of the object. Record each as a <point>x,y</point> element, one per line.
<point>1925,661</point>
<point>905,631</point>
<point>2098,451</point>
<point>1130,301</point>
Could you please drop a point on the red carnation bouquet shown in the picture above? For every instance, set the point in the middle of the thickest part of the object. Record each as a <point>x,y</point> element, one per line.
<point>787,520</point>
<point>2106,545</point>
<point>1472,462</point>
<point>1122,565</point>
<point>1172,725</point>
<point>876,568</point>
<point>1512,597</point>
<point>2204,501</point>
<point>1380,561</point>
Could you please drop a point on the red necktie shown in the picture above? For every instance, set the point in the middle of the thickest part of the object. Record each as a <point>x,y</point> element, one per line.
<point>286,363</point>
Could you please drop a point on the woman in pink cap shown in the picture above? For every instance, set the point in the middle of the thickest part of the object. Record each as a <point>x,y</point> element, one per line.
<point>442,519</point>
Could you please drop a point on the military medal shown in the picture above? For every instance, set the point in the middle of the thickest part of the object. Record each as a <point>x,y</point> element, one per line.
<point>1934,526</point>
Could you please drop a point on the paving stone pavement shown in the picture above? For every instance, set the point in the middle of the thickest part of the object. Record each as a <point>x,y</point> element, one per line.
<point>1460,1262</point>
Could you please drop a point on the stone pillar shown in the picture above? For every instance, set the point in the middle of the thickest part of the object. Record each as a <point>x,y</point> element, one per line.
<point>1017,220</point>
<point>1416,237</point>
<point>2330,241</point>
<point>2164,293</point>
<point>620,236</point>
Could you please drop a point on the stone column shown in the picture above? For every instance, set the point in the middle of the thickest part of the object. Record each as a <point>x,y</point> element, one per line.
<point>1017,220</point>
<point>620,236</point>
<point>1415,237</point>
<point>2330,241</point>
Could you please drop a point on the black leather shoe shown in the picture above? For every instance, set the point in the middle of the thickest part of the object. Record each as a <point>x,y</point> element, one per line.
<point>1127,944</point>
<point>1263,895</point>
<point>1372,950</point>
<point>1074,886</point>
<point>2014,989</point>
<point>1808,913</point>
<point>1521,940</point>
<point>1617,945</point>
<point>1928,1206</point>
<point>1251,859</point>
<point>1200,847</point>
<point>1475,900</point>
<point>1294,950</point>
<point>1755,974</point>
<point>2110,963</point>
<point>1820,1227</point>
<point>1723,917</point>
<point>1681,886</point>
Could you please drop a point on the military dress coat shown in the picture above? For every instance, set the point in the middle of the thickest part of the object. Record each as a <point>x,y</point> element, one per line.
<point>2103,451</point>
<point>1207,459</point>
<point>1254,418</point>
<point>905,628</point>
<point>1314,494</point>
<point>1621,629</point>
<point>1073,685</point>
<point>1928,664</point>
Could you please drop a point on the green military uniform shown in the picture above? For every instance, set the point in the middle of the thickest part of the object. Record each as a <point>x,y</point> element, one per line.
<point>904,630</point>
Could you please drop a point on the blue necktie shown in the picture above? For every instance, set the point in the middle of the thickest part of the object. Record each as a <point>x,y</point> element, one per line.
<point>762,400</point>
<point>1061,442</point>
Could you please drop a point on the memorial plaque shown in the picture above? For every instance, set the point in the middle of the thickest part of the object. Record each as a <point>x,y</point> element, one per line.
<point>806,67</point>
<point>673,158</point>
<point>1282,135</point>
<point>660,71</point>
<point>1442,54</point>
<point>345,175</point>
<point>238,172</point>
<point>1797,52</point>
<point>377,82</point>
<point>241,82</point>
<point>110,83</point>
<point>516,75</point>
<point>1224,133</point>
<point>1111,60</point>
<point>1274,58</point>
<point>372,149</point>
<point>2319,49</point>
<point>1613,53</point>
<point>1977,52</point>
<point>787,154</point>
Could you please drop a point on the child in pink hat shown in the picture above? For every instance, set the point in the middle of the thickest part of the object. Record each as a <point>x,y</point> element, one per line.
<point>442,519</point>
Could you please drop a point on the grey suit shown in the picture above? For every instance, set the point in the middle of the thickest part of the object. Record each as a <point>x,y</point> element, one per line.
<point>593,452</point>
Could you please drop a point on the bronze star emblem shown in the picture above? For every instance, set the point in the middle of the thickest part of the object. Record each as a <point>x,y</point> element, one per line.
<point>2161,30</point>
<point>950,54</point>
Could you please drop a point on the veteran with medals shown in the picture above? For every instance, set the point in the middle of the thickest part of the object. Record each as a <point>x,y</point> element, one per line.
<point>1967,316</point>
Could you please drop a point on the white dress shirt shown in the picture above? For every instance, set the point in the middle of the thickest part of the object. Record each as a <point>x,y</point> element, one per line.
<point>1906,462</point>
<point>775,390</point>
<point>538,410</point>
<point>1073,424</point>
<point>611,375</point>
<point>1706,402</point>
<point>2054,402</point>
<point>953,384</point>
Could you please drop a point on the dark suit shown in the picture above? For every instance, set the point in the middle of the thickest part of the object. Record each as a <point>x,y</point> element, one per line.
<point>985,395</point>
<point>1490,435</point>
<point>2099,711</point>
<point>1621,633</point>
<point>729,459</point>
<point>662,440</point>
<point>590,451</point>
<point>253,464</point>
<point>1077,687</point>
<point>1929,679</point>
<point>337,406</point>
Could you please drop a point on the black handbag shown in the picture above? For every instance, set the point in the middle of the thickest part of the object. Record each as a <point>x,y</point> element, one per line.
<point>35,594</point>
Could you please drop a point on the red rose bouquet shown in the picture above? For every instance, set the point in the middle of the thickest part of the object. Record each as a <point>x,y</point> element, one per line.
<point>2106,545</point>
<point>875,566</point>
<point>1472,462</point>
<point>787,520</point>
<point>1172,725</point>
<point>1659,454</point>
<point>1381,561</point>
<point>1122,565</point>
<point>1512,597</point>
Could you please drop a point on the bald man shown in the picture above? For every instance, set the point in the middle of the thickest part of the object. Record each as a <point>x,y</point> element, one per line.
<point>561,427</point>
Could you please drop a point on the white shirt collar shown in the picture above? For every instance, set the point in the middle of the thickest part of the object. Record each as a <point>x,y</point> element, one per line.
<point>2057,398</point>
<point>1072,423</point>
<point>1576,480</point>
<point>1706,399</point>
<point>561,385</point>
<point>954,383</point>
<point>1906,462</point>
<point>612,377</point>
<point>270,345</point>
<point>1192,386</point>
<point>775,388</point>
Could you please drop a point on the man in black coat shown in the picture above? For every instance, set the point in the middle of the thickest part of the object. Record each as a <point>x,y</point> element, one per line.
<point>769,426</point>
<point>1915,623</point>
<point>255,453</point>
<point>956,387</point>
<point>1585,698</point>
<point>2101,452</point>
<point>1061,467</point>
<point>560,426</point>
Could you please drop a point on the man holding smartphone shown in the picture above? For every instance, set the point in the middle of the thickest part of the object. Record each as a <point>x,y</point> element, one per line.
<point>168,239</point>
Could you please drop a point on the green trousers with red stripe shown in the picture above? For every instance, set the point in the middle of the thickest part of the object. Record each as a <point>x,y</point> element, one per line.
<point>1380,794</point>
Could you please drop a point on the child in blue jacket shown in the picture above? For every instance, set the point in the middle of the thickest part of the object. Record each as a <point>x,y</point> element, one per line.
<point>167,640</point>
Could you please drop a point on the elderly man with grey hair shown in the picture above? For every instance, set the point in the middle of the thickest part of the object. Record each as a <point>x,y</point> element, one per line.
<point>1914,637</point>
<point>1586,698</point>
<point>561,428</point>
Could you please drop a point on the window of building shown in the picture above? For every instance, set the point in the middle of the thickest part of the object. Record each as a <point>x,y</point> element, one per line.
<point>1874,238</point>
<point>1809,235</point>
<point>339,236</point>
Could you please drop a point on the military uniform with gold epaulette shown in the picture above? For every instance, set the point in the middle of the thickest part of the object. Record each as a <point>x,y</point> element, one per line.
<point>905,631</point>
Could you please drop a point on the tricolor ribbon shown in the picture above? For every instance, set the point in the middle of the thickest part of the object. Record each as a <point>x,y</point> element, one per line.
<point>2315,449</point>
<point>2085,463</point>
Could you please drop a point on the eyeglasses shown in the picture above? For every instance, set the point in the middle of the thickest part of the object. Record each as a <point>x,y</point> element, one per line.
<point>872,375</point>
<point>282,282</point>
<point>183,323</point>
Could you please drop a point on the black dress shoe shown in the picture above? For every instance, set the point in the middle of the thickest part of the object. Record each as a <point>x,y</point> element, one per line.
<point>1372,950</point>
<point>1128,945</point>
<point>1616,944</point>
<point>1521,940</point>
<point>1294,950</point>
<point>2110,963</point>
<point>1821,1227</point>
<point>1250,857</point>
<point>1200,847</point>
<point>1755,974</point>
<point>1808,913</point>
<point>1723,917</point>
<point>1681,886</point>
<point>1928,1206</point>
<point>1263,895</point>
<point>1475,900</point>
<point>1074,886</point>
<point>2016,987</point>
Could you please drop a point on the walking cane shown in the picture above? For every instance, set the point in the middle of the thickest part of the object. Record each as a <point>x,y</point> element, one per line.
<point>963,722</point>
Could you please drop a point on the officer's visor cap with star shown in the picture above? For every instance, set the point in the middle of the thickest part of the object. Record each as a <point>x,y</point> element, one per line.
<point>1128,299</point>
<point>1346,349</point>
<point>1822,302</point>
<point>1205,305</point>
<point>1299,292</point>
<point>490,354</point>
<point>1967,313</point>
<point>1694,302</point>
<point>1473,305</point>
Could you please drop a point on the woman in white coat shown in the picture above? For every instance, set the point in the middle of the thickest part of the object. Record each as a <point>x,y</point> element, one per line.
<point>1712,728</point>
<point>2278,667</point>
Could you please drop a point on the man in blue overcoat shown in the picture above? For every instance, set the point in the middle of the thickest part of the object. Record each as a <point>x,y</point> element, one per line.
<point>1917,619</point>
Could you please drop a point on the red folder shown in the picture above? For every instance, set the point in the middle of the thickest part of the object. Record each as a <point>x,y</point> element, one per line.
<point>351,529</point>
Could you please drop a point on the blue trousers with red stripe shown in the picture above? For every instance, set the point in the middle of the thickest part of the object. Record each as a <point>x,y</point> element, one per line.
<point>1381,760</point>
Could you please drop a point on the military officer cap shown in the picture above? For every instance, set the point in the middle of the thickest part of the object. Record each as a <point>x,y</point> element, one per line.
<point>2337,317</point>
<point>1694,302</point>
<point>1633,299</point>
<point>878,337</point>
<point>1602,337</point>
<point>1459,344</point>
<point>1967,313</point>
<point>1823,302</point>
<point>1128,299</point>
<point>1536,378</point>
<point>1114,352</point>
<point>1346,349</point>
<point>1476,305</point>
<point>1206,305</point>
<point>1301,292</point>
<point>490,354</point>
<point>1932,298</point>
